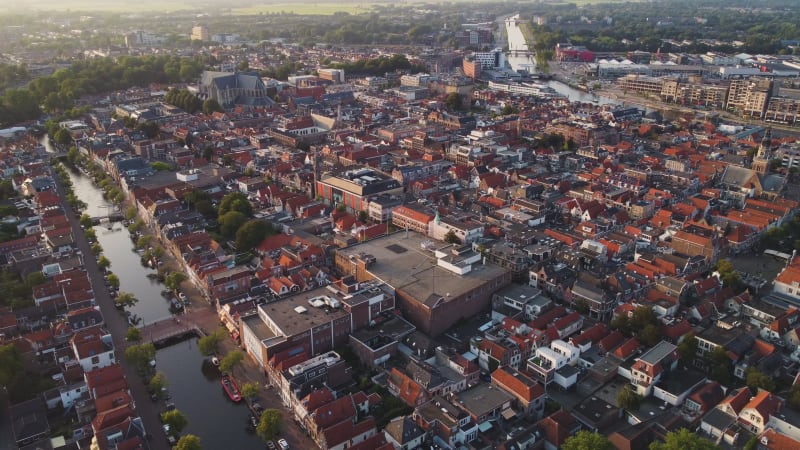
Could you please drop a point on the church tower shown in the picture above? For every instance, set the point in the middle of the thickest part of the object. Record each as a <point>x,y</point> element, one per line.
<point>763,157</point>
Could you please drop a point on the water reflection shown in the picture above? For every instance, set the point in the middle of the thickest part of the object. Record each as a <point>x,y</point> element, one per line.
<point>125,262</point>
<point>196,391</point>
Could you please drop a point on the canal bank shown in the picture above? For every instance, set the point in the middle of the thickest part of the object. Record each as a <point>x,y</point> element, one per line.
<point>117,325</point>
<point>216,424</point>
<point>119,249</point>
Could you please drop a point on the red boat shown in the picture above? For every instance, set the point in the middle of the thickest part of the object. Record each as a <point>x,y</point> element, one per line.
<point>230,388</point>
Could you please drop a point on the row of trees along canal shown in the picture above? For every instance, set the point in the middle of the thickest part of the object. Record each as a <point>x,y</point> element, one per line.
<point>140,356</point>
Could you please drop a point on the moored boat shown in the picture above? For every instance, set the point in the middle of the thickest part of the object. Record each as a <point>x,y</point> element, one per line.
<point>230,388</point>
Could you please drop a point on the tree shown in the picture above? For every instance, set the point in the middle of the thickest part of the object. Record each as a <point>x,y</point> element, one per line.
<point>270,425</point>
<point>650,335</point>
<point>230,222</point>
<point>103,263</point>
<point>35,279</point>
<point>683,439</point>
<point>453,100</point>
<point>113,280</point>
<point>62,137</point>
<point>140,355</point>
<point>232,360</point>
<point>97,248</point>
<point>126,299</point>
<point>90,235</point>
<point>86,221</point>
<point>729,276</point>
<point>721,366</point>
<point>133,334</point>
<point>451,238</point>
<point>188,442</point>
<point>131,213</point>
<point>157,384</point>
<point>249,235</point>
<point>211,106</point>
<point>628,399</point>
<point>10,364</point>
<point>687,350</point>
<point>752,443</point>
<point>794,396</point>
<point>363,216</point>
<point>235,201</point>
<point>756,379</point>
<point>136,226</point>
<point>144,241</point>
<point>586,440</point>
<point>176,420</point>
<point>173,280</point>
<point>209,345</point>
<point>250,390</point>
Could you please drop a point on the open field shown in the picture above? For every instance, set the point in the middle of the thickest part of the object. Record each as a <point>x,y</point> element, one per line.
<point>315,8</point>
<point>238,7</point>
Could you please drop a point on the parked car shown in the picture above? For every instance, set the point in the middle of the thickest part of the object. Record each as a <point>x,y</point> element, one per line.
<point>283,444</point>
<point>271,446</point>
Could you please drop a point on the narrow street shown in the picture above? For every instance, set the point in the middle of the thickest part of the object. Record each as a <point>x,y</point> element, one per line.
<point>117,325</point>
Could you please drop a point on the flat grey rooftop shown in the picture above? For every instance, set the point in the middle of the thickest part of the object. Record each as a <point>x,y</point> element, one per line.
<point>657,353</point>
<point>403,264</point>
<point>290,322</point>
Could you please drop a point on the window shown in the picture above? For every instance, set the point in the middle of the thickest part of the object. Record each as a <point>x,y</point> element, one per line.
<point>95,360</point>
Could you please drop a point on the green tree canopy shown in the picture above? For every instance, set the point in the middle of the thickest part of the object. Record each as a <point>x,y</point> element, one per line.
<point>249,235</point>
<point>140,355</point>
<point>231,222</point>
<point>270,425</point>
<point>721,366</point>
<point>683,439</point>
<point>113,280</point>
<point>628,399</point>
<point>757,379</point>
<point>126,299</point>
<point>235,201</point>
<point>36,278</point>
<point>10,364</point>
<point>157,384</point>
<point>209,345</point>
<point>250,390</point>
<point>176,420</point>
<point>188,442</point>
<point>211,106</point>
<point>173,280</point>
<point>133,334</point>
<point>687,350</point>
<point>232,360</point>
<point>586,440</point>
<point>451,238</point>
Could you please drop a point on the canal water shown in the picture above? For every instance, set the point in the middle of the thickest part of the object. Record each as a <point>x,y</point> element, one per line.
<point>193,381</point>
<point>119,249</point>
<point>196,391</point>
<point>519,58</point>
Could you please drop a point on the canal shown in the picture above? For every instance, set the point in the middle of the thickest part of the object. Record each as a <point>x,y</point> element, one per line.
<point>193,381</point>
<point>519,58</point>
<point>218,422</point>
<point>119,249</point>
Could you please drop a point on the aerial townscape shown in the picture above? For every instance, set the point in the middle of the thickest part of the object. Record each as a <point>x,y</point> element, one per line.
<point>378,225</point>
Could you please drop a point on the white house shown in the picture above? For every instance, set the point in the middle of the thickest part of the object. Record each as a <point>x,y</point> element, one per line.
<point>93,349</point>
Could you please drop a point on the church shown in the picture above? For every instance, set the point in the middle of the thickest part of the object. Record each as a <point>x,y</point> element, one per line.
<point>740,183</point>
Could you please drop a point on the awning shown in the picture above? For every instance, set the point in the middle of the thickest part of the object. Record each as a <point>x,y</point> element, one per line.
<point>485,426</point>
<point>508,414</point>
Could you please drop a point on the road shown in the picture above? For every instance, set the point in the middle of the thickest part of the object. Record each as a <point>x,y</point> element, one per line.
<point>117,325</point>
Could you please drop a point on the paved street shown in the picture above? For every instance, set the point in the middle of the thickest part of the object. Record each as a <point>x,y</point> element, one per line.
<point>117,325</point>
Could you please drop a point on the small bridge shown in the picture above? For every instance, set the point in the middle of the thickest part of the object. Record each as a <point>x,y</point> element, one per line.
<point>114,217</point>
<point>171,329</point>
